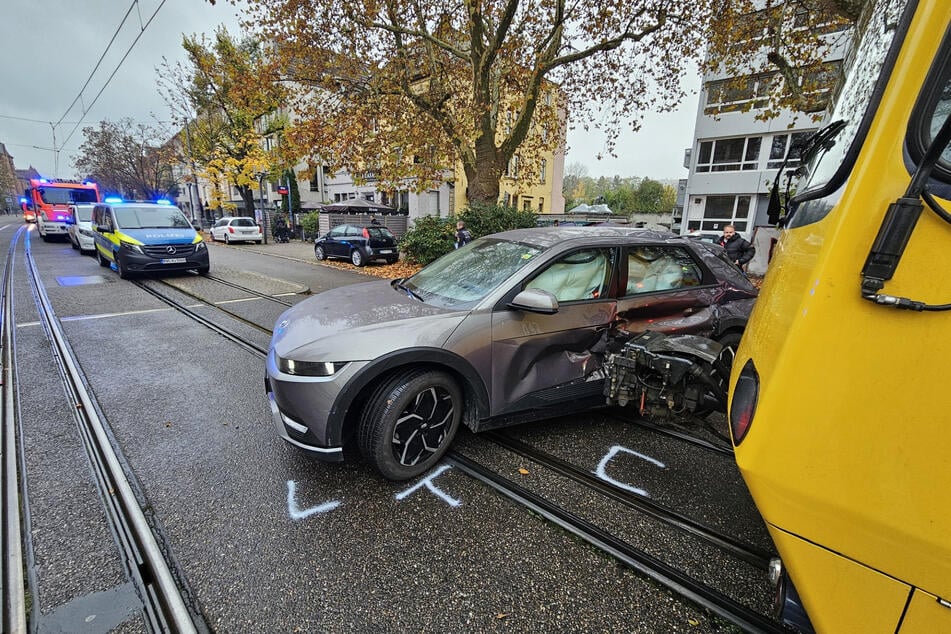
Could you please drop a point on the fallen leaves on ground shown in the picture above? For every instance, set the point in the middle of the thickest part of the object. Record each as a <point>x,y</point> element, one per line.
<point>386,271</point>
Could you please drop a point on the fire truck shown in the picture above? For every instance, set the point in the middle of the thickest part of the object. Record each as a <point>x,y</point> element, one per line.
<point>46,202</point>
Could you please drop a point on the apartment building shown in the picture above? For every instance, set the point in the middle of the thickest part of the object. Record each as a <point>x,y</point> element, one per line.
<point>737,152</point>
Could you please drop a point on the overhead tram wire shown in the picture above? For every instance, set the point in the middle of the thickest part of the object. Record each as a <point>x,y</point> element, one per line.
<point>99,63</point>
<point>118,66</point>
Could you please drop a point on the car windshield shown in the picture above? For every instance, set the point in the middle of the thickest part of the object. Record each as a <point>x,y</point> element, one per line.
<point>158,217</point>
<point>462,278</point>
<point>65,195</point>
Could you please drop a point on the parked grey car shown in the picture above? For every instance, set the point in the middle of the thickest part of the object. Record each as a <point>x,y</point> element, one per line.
<point>512,327</point>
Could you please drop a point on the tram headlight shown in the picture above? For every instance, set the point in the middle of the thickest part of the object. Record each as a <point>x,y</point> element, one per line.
<point>743,405</point>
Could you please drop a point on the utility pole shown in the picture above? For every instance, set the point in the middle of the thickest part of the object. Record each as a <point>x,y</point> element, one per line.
<point>192,194</point>
<point>263,208</point>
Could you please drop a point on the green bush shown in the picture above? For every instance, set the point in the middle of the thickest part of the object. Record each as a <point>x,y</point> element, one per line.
<point>310,223</point>
<point>432,237</point>
<point>429,238</point>
<point>482,219</point>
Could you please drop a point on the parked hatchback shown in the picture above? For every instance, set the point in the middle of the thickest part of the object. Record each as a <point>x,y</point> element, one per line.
<point>512,327</point>
<point>358,244</point>
<point>240,229</point>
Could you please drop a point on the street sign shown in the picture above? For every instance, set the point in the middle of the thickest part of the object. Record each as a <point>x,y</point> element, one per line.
<point>282,191</point>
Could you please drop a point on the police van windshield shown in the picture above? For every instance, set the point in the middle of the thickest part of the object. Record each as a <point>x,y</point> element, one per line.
<point>157,217</point>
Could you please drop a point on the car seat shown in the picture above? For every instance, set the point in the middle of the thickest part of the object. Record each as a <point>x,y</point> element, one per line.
<point>579,276</point>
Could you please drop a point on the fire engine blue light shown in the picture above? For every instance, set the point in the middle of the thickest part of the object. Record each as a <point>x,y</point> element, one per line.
<point>89,182</point>
<point>113,199</point>
<point>163,201</point>
<point>22,201</point>
<point>43,180</point>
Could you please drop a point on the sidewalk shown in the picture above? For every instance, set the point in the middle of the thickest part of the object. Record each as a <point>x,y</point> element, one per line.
<point>304,252</point>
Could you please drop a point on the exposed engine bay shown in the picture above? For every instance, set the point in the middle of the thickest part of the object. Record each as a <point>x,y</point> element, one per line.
<point>668,378</point>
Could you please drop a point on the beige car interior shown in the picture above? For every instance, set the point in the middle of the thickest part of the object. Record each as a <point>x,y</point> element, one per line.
<point>578,276</point>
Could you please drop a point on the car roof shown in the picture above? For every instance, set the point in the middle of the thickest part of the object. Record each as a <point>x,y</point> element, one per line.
<point>550,236</point>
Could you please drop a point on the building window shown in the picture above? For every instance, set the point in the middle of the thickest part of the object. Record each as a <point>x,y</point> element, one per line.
<point>738,94</point>
<point>541,175</point>
<point>719,211</point>
<point>541,205</point>
<point>729,155</point>
<point>315,181</point>
<point>526,204</point>
<point>784,145</point>
<point>511,170</point>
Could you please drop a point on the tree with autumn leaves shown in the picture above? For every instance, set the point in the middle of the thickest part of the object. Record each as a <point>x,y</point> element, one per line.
<point>407,87</point>
<point>227,96</point>
<point>128,158</point>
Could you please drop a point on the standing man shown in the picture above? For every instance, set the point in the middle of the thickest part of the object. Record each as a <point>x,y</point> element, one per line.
<point>463,237</point>
<point>737,248</point>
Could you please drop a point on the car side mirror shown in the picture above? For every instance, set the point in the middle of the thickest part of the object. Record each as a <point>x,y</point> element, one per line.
<point>103,228</point>
<point>535,300</point>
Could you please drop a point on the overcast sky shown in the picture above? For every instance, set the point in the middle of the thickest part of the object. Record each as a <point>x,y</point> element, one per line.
<point>49,48</point>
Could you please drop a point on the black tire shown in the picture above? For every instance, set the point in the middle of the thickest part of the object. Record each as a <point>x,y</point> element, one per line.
<point>724,363</point>
<point>392,260</point>
<point>259,241</point>
<point>75,245</point>
<point>102,261</point>
<point>227,239</point>
<point>409,423</point>
<point>203,270</point>
<point>319,252</point>
<point>356,256</point>
<point>121,268</point>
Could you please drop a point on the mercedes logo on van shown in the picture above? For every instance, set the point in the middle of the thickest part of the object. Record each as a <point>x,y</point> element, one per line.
<point>170,250</point>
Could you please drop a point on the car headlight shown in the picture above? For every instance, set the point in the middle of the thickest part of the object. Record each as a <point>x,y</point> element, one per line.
<point>199,245</point>
<point>132,247</point>
<point>309,368</point>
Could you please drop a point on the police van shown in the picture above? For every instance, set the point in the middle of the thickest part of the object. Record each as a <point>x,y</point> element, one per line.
<point>146,237</point>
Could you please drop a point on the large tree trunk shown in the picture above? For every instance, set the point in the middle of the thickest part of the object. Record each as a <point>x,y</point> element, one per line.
<point>247,195</point>
<point>483,176</point>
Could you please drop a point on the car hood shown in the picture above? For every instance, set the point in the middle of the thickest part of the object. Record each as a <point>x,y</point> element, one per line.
<point>161,236</point>
<point>361,322</point>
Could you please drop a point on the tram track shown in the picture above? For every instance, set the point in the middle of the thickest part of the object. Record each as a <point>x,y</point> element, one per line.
<point>646,564</point>
<point>146,557</point>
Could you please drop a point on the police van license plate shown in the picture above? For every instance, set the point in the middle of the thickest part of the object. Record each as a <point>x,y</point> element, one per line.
<point>173,261</point>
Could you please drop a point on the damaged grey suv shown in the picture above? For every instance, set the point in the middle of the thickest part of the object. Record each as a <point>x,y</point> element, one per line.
<point>512,327</point>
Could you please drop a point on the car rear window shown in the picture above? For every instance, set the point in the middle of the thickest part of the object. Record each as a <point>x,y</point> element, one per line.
<point>379,232</point>
<point>242,222</point>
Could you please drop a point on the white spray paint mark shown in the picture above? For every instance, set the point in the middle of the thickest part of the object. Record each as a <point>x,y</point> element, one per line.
<point>428,483</point>
<point>615,450</point>
<point>298,514</point>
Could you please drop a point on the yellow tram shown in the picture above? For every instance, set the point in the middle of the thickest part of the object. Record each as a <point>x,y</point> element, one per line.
<point>839,405</point>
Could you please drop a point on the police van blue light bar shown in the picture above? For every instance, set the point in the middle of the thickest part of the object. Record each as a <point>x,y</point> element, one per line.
<point>163,201</point>
<point>113,199</point>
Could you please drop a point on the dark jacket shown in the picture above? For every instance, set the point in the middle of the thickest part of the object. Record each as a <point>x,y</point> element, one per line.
<point>738,249</point>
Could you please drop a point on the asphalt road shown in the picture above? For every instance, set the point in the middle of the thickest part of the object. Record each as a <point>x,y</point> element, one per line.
<point>270,541</point>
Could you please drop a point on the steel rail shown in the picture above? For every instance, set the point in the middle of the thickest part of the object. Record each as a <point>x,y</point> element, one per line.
<point>206,322</point>
<point>660,572</point>
<point>165,607</point>
<point>746,552</point>
<point>230,313</point>
<point>14,595</point>
<point>700,442</point>
<point>245,289</point>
